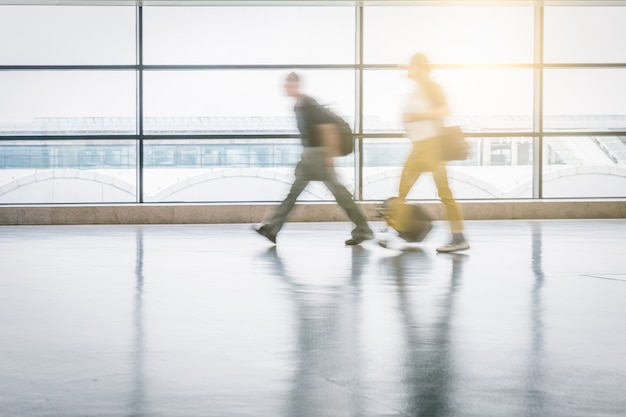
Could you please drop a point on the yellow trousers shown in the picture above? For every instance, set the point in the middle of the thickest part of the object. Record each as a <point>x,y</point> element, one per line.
<point>424,157</point>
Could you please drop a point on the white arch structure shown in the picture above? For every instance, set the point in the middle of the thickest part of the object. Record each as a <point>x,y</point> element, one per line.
<point>256,184</point>
<point>83,185</point>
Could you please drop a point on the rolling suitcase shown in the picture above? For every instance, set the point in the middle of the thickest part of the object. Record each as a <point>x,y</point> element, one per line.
<point>411,221</point>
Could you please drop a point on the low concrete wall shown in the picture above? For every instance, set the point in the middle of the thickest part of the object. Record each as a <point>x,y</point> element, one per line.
<point>309,212</point>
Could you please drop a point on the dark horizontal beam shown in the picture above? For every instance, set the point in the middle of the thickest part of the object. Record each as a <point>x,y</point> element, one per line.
<point>382,135</point>
<point>237,67</point>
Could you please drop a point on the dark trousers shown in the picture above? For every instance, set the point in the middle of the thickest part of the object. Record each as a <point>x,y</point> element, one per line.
<point>313,167</point>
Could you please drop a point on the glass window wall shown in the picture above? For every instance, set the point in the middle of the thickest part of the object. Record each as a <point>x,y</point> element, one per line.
<point>249,35</point>
<point>584,34</point>
<point>585,99</point>
<point>584,167</point>
<point>67,171</point>
<point>67,102</point>
<point>68,35</point>
<point>227,170</point>
<point>496,168</point>
<point>449,35</point>
<point>202,116</point>
<point>481,100</point>
<point>237,101</point>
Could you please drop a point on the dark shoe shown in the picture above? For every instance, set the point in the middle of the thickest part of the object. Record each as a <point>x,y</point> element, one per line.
<point>357,240</point>
<point>265,231</point>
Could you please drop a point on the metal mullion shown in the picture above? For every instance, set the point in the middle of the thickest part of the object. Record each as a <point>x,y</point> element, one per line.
<point>577,133</point>
<point>453,66</point>
<point>358,175</point>
<point>234,67</point>
<point>537,191</point>
<point>585,65</point>
<point>139,106</point>
<point>283,136</point>
<point>182,137</point>
<point>392,135</point>
<point>66,137</point>
<point>68,67</point>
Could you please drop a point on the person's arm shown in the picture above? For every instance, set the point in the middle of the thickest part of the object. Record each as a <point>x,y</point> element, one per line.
<point>326,131</point>
<point>329,135</point>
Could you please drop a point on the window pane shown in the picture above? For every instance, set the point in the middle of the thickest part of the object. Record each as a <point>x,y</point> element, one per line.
<point>479,100</point>
<point>584,34</point>
<point>449,34</point>
<point>249,35</point>
<point>229,170</point>
<point>237,101</point>
<point>585,99</point>
<point>70,102</point>
<point>54,35</point>
<point>495,168</point>
<point>584,167</point>
<point>77,171</point>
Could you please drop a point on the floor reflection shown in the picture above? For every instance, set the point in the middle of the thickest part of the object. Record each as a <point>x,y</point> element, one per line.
<point>428,368</point>
<point>138,394</point>
<point>196,321</point>
<point>535,386</point>
<point>327,352</point>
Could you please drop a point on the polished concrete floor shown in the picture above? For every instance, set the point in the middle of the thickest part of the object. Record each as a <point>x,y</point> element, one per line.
<point>212,320</point>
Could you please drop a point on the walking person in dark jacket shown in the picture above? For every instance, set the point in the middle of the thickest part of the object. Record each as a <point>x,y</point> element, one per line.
<point>319,135</point>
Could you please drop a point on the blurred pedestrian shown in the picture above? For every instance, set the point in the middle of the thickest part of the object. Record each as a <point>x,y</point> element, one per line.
<point>425,110</point>
<point>320,140</point>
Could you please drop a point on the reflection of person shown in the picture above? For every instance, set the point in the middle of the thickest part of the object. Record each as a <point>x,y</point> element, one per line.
<point>429,369</point>
<point>423,119</point>
<point>318,134</point>
<point>327,335</point>
<point>138,393</point>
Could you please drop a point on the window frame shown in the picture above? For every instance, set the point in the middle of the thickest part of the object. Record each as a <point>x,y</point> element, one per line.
<point>537,132</point>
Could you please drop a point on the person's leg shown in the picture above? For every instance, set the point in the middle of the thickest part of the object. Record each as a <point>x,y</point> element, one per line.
<point>453,210</point>
<point>416,163</point>
<point>413,168</point>
<point>279,217</point>
<point>343,197</point>
<point>272,225</point>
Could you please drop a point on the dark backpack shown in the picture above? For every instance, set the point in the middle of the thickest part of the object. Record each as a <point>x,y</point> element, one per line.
<point>346,141</point>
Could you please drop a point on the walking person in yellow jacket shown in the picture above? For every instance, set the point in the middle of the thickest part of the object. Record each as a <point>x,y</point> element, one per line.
<point>424,112</point>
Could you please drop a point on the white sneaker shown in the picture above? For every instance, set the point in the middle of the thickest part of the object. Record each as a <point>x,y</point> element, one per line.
<point>454,247</point>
